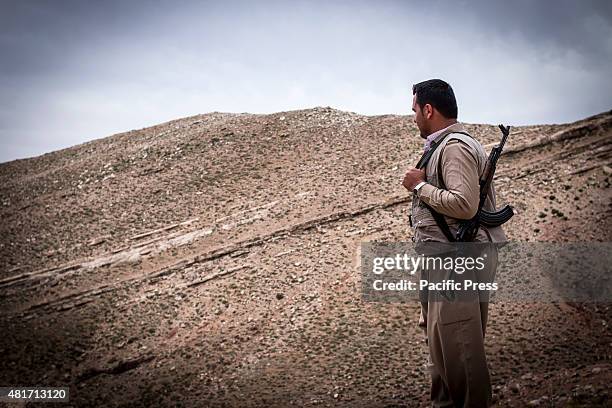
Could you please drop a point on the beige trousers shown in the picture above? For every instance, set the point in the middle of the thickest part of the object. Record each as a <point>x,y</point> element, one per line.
<point>455,335</point>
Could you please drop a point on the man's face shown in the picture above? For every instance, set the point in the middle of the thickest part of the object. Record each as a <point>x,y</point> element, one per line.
<point>420,119</point>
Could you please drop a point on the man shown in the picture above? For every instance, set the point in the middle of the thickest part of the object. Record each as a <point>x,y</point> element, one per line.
<point>449,185</point>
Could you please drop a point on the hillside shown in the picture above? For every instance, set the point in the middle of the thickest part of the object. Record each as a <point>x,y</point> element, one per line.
<point>213,260</point>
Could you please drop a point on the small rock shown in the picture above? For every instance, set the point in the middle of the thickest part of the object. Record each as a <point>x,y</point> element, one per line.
<point>97,241</point>
<point>607,170</point>
<point>515,387</point>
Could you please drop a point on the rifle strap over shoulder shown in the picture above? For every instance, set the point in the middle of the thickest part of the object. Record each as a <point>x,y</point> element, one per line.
<point>427,155</point>
<point>439,218</point>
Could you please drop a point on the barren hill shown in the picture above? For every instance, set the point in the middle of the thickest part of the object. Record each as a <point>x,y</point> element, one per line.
<point>213,261</point>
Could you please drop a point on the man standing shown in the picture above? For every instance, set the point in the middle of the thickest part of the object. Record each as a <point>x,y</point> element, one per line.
<point>449,186</point>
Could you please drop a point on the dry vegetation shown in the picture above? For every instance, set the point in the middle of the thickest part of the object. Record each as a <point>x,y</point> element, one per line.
<point>213,261</point>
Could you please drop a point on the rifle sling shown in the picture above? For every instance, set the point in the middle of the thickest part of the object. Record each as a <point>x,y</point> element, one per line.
<point>439,218</point>
<point>442,224</point>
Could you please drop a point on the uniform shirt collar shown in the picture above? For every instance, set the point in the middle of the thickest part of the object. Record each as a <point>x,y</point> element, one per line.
<point>455,127</point>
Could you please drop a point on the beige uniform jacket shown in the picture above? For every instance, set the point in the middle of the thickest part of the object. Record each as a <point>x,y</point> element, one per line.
<point>461,166</point>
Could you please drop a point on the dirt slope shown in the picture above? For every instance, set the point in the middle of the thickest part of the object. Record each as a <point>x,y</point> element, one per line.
<point>213,261</point>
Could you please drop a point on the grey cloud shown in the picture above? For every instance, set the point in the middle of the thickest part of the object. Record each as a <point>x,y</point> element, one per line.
<point>75,70</point>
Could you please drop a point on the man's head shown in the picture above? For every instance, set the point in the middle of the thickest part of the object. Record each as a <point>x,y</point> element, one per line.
<point>434,106</point>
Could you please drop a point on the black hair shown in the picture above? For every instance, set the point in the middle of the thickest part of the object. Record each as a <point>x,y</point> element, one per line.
<point>438,94</point>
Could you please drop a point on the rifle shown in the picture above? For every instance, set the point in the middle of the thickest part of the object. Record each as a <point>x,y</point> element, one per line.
<point>468,229</point>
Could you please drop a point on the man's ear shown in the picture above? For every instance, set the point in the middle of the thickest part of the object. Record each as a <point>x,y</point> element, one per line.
<point>428,111</point>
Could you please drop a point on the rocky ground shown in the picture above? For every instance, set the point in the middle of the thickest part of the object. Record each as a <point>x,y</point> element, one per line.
<point>213,261</point>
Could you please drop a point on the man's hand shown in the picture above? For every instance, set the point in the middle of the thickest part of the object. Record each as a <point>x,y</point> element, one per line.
<point>412,178</point>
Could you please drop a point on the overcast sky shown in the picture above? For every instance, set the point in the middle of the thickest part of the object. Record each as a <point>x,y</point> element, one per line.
<point>72,71</point>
